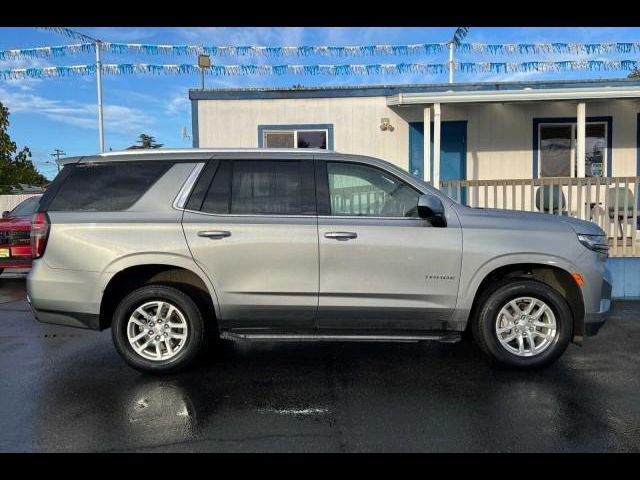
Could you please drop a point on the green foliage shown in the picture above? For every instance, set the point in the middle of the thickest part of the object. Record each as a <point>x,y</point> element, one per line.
<point>15,167</point>
<point>635,73</point>
<point>147,141</point>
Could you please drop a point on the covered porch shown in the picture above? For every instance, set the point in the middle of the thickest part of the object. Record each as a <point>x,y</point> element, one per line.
<point>572,144</point>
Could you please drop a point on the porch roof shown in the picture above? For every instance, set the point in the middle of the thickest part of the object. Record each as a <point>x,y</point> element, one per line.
<point>442,92</point>
<point>525,94</point>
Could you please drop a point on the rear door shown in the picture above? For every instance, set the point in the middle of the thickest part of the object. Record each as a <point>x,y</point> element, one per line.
<point>381,266</point>
<point>251,225</point>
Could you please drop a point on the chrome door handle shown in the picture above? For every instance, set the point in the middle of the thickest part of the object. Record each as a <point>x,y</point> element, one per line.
<point>215,234</point>
<point>341,235</point>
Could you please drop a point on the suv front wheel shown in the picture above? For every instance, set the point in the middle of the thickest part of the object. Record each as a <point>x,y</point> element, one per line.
<point>158,328</point>
<point>524,323</point>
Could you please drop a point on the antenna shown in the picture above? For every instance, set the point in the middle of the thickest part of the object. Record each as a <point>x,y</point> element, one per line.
<point>185,135</point>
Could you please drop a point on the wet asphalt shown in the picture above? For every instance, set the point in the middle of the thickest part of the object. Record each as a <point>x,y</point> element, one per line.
<point>64,389</point>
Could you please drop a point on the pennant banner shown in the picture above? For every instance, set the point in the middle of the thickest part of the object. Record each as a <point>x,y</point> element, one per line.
<point>547,48</point>
<point>375,69</point>
<point>41,52</point>
<point>336,51</point>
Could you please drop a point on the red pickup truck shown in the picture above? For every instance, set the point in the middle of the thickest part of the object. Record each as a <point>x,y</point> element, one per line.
<point>15,230</point>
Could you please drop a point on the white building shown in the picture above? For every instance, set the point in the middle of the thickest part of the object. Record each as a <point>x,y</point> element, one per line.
<point>488,131</point>
<point>564,147</point>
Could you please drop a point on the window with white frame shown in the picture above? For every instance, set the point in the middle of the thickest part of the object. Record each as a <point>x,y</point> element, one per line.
<point>295,138</point>
<point>557,152</point>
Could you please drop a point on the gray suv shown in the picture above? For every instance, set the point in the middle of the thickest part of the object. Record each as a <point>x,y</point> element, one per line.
<point>165,247</point>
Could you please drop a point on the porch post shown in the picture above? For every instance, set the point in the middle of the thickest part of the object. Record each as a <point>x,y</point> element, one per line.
<point>427,144</point>
<point>436,145</point>
<point>581,136</point>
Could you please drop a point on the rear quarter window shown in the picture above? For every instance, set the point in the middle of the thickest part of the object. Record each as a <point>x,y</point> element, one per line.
<point>106,187</point>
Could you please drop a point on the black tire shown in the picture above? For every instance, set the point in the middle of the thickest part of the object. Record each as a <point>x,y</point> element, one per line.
<point>193,317</point>
<point>484,325</point>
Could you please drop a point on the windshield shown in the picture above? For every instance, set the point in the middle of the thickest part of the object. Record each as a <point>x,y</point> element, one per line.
<point>26,208</point>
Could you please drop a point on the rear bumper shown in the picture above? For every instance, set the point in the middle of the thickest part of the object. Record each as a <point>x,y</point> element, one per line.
<point>68,319</point>
<point>20,256</point>
<point>63,297</point>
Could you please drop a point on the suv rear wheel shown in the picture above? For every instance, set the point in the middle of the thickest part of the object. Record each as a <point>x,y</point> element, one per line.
<point>158,328</point>
<point>524,323</point>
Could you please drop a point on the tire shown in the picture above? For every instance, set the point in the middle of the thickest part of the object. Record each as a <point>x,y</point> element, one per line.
<point>181,341</point>
<point>497,311</point>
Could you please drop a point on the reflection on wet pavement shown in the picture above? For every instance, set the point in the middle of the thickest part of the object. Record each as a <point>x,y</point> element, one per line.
<point>11,286</point>
<point>72,392</point>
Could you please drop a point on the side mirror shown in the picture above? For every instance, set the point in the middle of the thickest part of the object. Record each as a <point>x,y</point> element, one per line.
<point>430,208</point>
<point>6,213</point>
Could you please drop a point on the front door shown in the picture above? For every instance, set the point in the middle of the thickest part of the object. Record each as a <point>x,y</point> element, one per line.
<point>251,225</point>
<point>453,153</point>
<point>381,266</point>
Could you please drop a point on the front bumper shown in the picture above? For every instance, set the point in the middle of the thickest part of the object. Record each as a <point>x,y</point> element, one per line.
<point>593,321</point>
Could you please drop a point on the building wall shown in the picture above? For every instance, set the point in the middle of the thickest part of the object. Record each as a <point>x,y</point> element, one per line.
<point>9,202</point>
<point>234,123</point>
<point>499,141</point>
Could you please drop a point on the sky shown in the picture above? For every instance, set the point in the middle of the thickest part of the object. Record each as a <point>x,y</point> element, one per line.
<point>51,113</point>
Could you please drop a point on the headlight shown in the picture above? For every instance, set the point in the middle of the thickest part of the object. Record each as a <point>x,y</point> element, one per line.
<point>597,243</point>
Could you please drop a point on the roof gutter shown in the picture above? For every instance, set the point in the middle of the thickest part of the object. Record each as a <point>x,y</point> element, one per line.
<point>524,95</point>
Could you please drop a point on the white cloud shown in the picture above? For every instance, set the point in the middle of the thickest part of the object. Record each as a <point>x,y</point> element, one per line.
<point>179,104</point>
<point>117,118</point>
<point>119,34</point>
<point>241,35</point>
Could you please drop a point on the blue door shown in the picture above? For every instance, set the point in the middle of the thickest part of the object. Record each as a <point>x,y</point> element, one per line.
<point>453,152</point>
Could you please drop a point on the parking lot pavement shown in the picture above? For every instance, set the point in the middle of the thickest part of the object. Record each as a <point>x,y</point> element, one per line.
<point>66,389</point>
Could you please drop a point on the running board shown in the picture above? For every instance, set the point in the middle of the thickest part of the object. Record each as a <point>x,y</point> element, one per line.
<point>449,337</point>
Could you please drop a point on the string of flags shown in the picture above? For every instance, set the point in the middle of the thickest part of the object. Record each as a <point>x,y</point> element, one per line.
<point>318,50</point>
<point>347,69</point>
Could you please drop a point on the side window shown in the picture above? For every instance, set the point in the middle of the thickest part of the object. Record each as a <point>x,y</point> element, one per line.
<point>262,187</point>
<point>361,190</point>
<point>106,187</point>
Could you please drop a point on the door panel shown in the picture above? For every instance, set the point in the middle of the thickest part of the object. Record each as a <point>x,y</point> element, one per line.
<point>251,226</point>
<point>381,266</point>
<point>397,274</point>
<point>265,272</point>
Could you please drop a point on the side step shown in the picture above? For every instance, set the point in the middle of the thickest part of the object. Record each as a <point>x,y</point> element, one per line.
<point>447,337</point>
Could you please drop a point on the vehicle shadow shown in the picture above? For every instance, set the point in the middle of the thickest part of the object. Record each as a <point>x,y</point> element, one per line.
<point>12,287</point>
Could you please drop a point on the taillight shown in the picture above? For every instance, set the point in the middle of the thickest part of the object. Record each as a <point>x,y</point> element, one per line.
<point>39,234</point>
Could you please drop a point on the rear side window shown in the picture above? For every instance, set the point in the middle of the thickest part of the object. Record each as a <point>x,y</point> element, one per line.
<point>106,187</point>
<point>262,187</point>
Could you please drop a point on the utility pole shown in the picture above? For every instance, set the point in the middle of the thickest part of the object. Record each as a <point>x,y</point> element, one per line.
<point>458,36</point>
<point>99,81</point>
<point>450,62</point>
<point>68,32</point>
<point>57,153</point>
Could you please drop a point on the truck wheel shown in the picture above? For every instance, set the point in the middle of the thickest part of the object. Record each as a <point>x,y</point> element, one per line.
<point>525,324</point>
<point>158,328</point>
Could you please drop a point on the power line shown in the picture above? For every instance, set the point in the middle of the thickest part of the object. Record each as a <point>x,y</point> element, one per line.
<point>57,153</point>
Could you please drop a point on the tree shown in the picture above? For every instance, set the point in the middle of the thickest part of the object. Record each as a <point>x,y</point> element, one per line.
<point>635,73</point>
<point>15,167</point>
<point>145,141</point>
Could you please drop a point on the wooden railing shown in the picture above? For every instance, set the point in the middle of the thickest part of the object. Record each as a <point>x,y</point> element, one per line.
<point>610,202</point>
